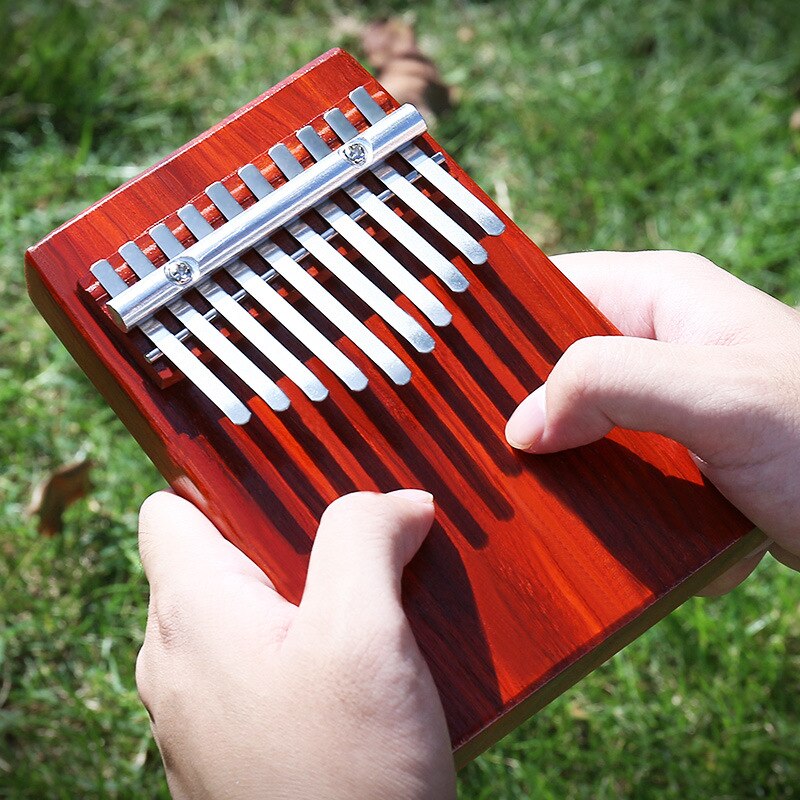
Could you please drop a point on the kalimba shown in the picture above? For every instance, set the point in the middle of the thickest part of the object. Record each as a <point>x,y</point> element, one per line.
<point>313,298</point>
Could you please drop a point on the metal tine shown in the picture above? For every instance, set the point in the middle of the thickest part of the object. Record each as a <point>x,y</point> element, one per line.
<point>259,336</point>
<point>352,277</point>
<point>180,355</point>
<point>204,331</point>
<point>377,255</point>
<point>417,292</point>
<point>383,261</point>
<point>281,309</point>
<point>389,221</point>
<point>412,196</point>
<point>314,292</point>
<point>432,171</point>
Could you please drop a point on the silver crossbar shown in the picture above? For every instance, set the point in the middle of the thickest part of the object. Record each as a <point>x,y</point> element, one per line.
<point>248,229</point>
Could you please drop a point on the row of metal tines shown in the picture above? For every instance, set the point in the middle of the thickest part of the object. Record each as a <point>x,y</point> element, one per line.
<point>286,266</point>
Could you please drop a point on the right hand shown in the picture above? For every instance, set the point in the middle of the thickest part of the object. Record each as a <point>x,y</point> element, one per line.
<point>707,360</point>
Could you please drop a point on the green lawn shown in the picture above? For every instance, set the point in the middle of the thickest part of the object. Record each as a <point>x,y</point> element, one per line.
<point>614,124</point>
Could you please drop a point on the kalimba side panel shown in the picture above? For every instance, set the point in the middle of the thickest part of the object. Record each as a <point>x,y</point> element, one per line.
<point>538,568</point>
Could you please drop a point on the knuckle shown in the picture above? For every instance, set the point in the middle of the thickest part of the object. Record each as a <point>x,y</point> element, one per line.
<point>689,261</point>
<point>150,509</point>
<point>169,618</point>
<point>150,512</point>
<point>590,371</point>
<point>586,350</point>
<point>162,661</point>
<point>348,507</point>
<point>144,678</point>
<point>364,658</point>
<point>574,370</point>
<point>697,260</point>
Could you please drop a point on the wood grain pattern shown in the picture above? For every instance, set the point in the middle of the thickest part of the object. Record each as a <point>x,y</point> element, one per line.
<point>538,568</point>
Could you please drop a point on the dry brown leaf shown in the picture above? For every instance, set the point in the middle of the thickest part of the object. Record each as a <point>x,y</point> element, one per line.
<point>392,52</point>
<point>577,711</point>
<point>465,34</point>
<point>53,495</point>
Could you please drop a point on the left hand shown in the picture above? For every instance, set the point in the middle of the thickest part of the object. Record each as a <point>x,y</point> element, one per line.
<point>253,697</point>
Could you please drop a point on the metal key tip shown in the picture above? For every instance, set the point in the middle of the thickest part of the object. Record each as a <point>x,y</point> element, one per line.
<point>239,415</point>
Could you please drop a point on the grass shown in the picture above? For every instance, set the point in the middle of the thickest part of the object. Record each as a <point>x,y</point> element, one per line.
<point>606,125</point>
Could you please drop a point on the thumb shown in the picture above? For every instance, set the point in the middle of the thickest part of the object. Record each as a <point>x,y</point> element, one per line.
<point>363,542</point>
<point>685,392</point>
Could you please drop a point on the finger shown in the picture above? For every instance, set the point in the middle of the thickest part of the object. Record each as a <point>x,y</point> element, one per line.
<point>207,599</point>
<point>178,544</point>
<point>680,391</point>
<point>736,574</point>
<point>786,557</point>
<point>671,296</point>
<point>363,542</point>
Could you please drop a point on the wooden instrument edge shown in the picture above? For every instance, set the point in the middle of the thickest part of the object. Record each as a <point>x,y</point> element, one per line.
<point>516,714</point>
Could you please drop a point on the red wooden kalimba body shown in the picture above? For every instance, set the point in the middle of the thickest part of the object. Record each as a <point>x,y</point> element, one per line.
<point>538,567</point>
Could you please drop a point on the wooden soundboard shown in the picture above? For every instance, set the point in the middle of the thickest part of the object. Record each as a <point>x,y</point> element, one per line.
<point>538,568</point>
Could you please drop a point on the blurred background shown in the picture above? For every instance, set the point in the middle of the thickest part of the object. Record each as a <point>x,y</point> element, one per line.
<point>595,124</point>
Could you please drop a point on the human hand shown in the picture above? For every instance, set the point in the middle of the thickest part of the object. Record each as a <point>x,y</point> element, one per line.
<point>253,697</point>
<point>707,360</point>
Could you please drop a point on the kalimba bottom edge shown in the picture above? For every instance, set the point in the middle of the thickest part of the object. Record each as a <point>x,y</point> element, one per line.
<point>609,647</point>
